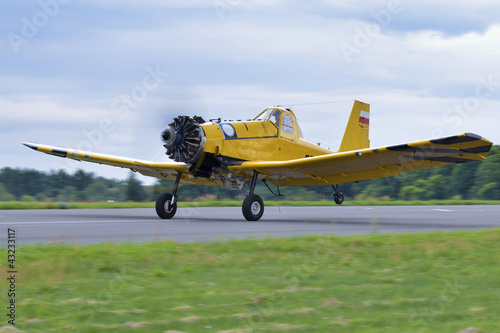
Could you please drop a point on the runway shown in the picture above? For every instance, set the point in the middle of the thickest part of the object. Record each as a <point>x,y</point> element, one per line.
<point>87,226</point>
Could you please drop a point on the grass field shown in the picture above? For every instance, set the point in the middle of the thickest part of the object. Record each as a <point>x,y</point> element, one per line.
<point>232,203</point>
<point>432,282</point>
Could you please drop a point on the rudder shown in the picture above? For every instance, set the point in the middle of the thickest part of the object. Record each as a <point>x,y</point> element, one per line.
<point>356,135</point>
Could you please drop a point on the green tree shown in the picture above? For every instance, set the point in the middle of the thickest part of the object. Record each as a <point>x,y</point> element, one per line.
<point>377,188</point>
<point>4,194</point>
<point>81,196</point>
<point>487,173</point>
<point>19,182</point>
<point>134,190</point>
<point>411,193</point>
<point>82,179</point>
<point>60,179</point>
<point>27,198</point>
<point>462,179</point>
<point>67,194</point>
<point>97,191</point>
<point>436,187</point>
<point>489,191</point>
<point>161,186</point>
<point>117,193</point>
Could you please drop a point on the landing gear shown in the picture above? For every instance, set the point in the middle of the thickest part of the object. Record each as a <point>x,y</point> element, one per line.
<point>338,197</point>
<point>253,206</point>
<point>166,205</point>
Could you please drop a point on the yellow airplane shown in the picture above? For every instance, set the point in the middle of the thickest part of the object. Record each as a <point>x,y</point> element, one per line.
<point>271,148</point>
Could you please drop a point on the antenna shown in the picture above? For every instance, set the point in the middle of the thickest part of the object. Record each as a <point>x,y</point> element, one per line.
<point>312,134</point>
<point>331,102</point>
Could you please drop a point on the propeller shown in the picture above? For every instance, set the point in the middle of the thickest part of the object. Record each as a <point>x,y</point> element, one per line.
<point>184,139</point>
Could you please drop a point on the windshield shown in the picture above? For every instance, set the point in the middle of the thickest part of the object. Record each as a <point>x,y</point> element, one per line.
<point>276,117</point>
<point>264,115</point>
<point>271,114</point>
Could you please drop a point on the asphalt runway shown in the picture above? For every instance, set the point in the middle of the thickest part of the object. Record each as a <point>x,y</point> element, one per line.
<point>87,226</point>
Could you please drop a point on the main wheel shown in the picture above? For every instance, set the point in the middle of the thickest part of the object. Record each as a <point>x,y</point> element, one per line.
<point>164,207</point>
<point>338,198</point>
<point>253,207</point>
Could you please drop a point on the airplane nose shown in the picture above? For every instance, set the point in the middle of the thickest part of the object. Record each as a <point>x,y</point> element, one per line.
<point>168,135</point>
<point>184,140</point>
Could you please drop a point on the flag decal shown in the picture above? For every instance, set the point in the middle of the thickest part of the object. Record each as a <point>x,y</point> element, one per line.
<point>364,117</point>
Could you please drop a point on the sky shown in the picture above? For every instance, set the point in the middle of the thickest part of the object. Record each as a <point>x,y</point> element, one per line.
<point>109,76</point>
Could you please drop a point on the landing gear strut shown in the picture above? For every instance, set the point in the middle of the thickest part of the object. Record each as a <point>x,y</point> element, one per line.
<point>253,206</point>
<point>338,197</point>
<point>166,205</point>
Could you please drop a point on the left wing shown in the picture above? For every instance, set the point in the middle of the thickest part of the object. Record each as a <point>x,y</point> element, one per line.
<point>165,170</point>
<point>353,166</point>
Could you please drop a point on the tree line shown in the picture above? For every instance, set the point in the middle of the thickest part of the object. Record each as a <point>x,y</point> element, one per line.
<point>474,180</point>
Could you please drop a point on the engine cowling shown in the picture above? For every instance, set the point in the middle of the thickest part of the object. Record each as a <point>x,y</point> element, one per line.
<point>184,139</point>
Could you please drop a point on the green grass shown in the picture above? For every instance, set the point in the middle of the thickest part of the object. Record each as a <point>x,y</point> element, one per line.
<point>233,203</point>
<point>432,282</point>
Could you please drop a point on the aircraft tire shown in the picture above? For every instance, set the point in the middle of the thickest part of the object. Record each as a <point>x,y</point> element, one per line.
<point>162,206</point>
<point>338,198</point>
<point>253,207</point>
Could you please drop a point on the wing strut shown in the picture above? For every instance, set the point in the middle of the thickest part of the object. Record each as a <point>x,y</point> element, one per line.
<point>270,190</point>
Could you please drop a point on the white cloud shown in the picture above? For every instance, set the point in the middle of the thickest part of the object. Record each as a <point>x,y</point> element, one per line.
<point>42,109</point>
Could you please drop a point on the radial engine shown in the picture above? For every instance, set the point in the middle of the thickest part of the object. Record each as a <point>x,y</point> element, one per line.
<point>184,139</point>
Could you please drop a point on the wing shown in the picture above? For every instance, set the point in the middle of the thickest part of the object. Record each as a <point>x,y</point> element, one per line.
<point>353,166</point>
<point>164,170</point>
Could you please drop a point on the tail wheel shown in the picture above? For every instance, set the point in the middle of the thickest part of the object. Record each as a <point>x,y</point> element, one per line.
<point>164,207</point>
<point>253,207</point>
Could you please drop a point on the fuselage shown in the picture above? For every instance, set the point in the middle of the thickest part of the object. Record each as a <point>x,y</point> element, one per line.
<point>209,148</point>
<point>274,135</point>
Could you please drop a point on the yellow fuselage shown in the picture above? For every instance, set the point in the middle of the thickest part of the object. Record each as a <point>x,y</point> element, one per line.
<point>257,141</point>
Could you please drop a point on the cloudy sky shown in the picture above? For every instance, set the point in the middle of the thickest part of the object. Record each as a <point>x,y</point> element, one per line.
<point>108,76</point>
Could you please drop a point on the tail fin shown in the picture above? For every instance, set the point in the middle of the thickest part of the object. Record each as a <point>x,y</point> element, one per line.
<point>357,130</point>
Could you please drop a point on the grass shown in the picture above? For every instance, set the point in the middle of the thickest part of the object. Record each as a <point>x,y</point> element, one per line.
<point>233,203</point>
<point>432,282</point>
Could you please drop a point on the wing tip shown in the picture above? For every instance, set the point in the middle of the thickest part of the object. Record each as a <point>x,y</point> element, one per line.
<point>30,145</point>
<point>474,135</point>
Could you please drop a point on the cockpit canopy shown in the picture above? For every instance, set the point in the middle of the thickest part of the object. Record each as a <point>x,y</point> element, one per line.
<point>283,119</point>
<point>267,113</point>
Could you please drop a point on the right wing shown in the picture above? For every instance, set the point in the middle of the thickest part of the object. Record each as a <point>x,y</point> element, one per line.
<point>369,163</point>
<point>163,170</point>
